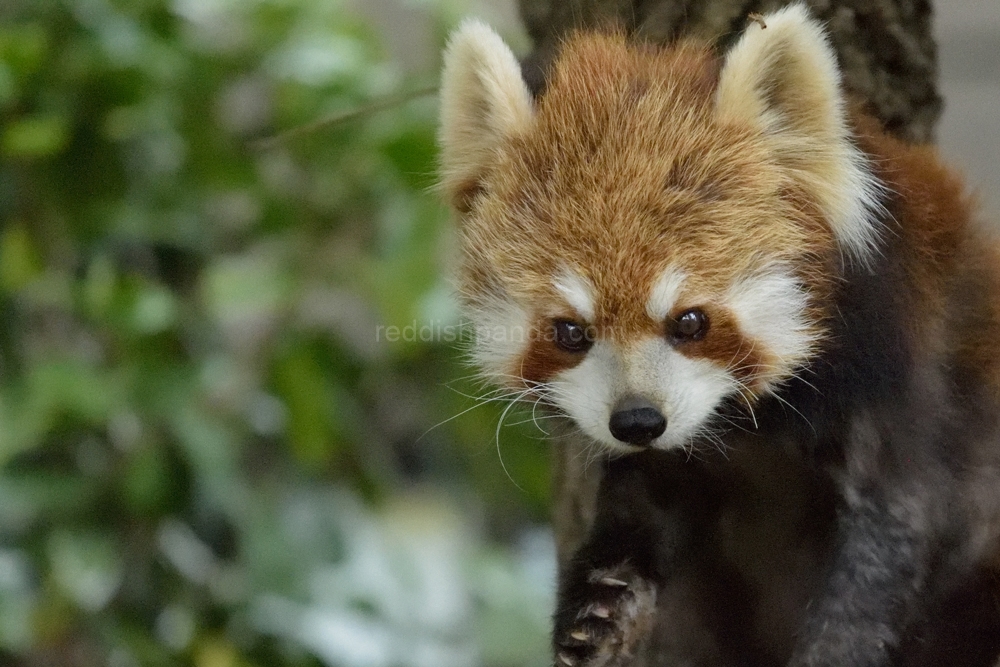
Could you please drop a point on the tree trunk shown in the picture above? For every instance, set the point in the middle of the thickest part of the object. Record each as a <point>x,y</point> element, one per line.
<point>889,59</point>
<point>886,48</point>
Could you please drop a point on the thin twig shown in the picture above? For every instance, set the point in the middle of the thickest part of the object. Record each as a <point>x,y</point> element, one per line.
<point>387,102</point>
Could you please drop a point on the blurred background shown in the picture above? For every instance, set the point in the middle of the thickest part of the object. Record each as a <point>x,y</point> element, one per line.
<point>235,427</point>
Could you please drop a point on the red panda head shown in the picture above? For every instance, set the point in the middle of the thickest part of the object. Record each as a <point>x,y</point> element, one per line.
<point>659,231</point>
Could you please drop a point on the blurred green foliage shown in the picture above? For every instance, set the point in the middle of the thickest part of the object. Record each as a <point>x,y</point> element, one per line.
<point>209,453</point>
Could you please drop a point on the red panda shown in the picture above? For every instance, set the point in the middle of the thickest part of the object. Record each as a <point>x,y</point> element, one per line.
<point>708,264</point>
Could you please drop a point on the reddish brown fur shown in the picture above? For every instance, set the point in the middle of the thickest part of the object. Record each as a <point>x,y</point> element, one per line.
<point>726,345</point>
<point>947,259</point>
<point>933,217</point>
<point>544,358</point>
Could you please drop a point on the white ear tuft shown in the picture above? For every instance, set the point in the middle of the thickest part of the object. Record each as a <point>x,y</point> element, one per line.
<point>483,99</point>
<point>783,79</point>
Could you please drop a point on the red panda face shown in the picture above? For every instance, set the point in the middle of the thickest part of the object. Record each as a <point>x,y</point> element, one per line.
<point>656,234</point>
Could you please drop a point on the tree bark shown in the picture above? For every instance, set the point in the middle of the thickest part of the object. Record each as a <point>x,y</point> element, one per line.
<point>886,48</point>
<point>889,59</point>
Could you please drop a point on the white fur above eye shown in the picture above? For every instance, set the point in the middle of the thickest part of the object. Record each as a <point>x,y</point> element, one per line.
<point>578,293</point>
<point>664,294</point>
<point>784,80</point>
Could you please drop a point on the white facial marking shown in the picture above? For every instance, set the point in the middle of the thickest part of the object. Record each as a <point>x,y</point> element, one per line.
<point>578,293</point>
<point>770,308</point>
<point>587,391</point>
<point>664,294</point>
<point>687,391</point>
<point>690,389</point>
<point>500,334</point>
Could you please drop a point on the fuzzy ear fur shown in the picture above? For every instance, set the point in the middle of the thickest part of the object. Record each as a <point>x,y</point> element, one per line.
<point>783,79</point>
<point>483,99</point>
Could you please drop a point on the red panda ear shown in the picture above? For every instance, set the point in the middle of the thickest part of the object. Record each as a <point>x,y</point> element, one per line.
<point>483,99</point>
<point>783,79</point>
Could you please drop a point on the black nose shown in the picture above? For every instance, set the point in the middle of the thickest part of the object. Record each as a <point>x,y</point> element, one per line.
<point>636,421</point>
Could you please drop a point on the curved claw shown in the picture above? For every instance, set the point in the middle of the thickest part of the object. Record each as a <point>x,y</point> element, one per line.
<point>611,581</point>
<point>600,611</point>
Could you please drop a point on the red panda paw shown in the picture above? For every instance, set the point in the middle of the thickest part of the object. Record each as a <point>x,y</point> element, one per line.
<point>605,620</point>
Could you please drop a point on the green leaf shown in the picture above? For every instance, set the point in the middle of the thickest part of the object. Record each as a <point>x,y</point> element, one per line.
<point>99,286</point>
<point>413,155</point>
<point>24,47</point>
<point>41,496</point>
<point>16,603</point>
<point>35,136</point>
<point>8,86</point>
<point>154,310</point>
<point>248,288</point>
<point>147,480</point>
<point>86,566</point>
<point>54,390</point>
<point>20,261</point>
<point>300,383</point>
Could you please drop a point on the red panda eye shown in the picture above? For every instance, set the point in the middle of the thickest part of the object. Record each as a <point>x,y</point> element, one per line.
<point>689,325</point>
<point>571,337</point>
